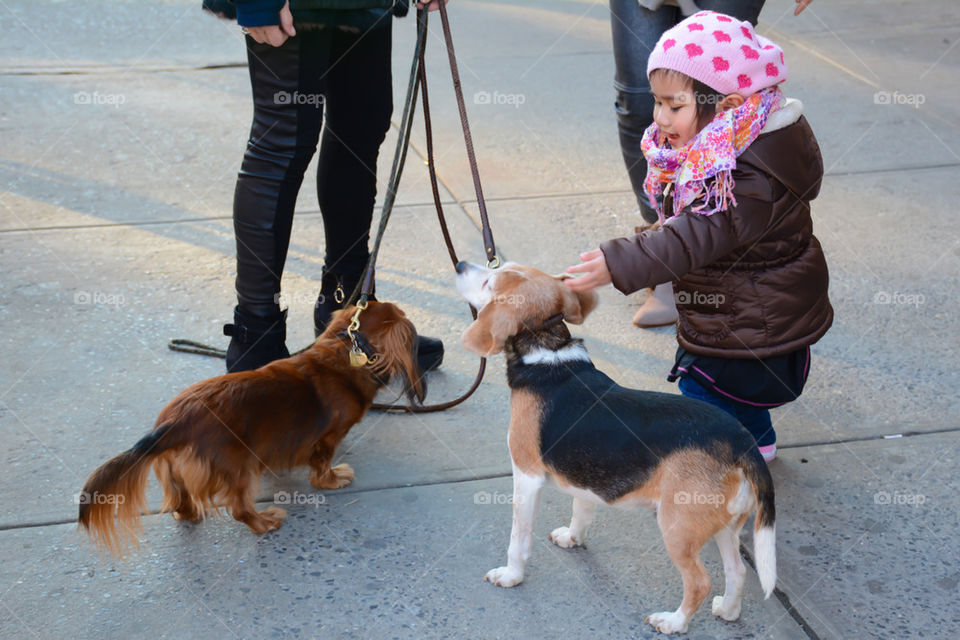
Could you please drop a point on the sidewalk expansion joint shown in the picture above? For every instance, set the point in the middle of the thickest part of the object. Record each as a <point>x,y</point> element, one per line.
<point>345,491</point>
<point>782,598</point>
<point>120,69</point>
<point>142,223</point>
<point>892,436</point>
<point>461,204</point>
<point>497,476</point>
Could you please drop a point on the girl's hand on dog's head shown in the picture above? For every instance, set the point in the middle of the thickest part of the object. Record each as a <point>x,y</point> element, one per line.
<point>594,270</point>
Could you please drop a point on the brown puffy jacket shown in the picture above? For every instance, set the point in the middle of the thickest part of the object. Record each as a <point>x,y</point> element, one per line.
<point>750,282</point>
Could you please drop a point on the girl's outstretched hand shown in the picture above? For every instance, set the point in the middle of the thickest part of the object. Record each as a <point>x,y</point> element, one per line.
<point>594,270</point>
<point>801,5</point>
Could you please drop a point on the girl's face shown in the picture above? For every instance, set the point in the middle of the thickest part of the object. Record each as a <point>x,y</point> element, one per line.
<point>674,111</point>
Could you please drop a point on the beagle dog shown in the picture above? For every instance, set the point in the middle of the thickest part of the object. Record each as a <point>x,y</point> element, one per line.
<point>602,443</point>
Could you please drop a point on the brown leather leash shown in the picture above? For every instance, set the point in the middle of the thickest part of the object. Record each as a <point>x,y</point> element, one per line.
<point>490,250</point>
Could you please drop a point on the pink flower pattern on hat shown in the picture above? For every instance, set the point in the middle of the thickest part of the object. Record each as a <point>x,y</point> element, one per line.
<point>710,48</point>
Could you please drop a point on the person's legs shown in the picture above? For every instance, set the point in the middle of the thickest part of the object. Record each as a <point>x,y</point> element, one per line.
<point>740,9</point>
<point>359,105</point>
<point>359,102</point>
<point>635,32</point>
<point>755,420</point>
<point>283,138</point>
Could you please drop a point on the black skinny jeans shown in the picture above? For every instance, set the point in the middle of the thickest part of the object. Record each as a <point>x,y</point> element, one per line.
<point>348,76</point>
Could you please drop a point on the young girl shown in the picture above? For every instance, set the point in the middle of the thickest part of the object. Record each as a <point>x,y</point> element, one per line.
<point>733,166</point>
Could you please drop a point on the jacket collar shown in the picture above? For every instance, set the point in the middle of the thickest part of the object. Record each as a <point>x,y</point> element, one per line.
<point>789,112</point>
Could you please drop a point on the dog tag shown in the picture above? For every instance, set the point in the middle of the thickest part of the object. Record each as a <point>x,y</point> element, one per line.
<point>357,358</point>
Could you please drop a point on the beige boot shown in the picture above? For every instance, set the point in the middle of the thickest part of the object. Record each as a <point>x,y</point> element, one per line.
<point>659,310</point>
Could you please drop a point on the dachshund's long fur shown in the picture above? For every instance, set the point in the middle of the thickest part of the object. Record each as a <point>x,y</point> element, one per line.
<point>211,444</point>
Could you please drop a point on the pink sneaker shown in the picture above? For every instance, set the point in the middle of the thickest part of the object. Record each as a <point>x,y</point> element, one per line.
<point>768,452</point>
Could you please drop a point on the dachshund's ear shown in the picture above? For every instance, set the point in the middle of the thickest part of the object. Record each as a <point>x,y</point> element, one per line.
<point>398,357</point>
<point>488,333</point>
<point>577,305</point>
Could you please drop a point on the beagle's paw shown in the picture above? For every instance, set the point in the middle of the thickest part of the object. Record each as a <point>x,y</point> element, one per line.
<point>562,537</point>
<point>668,621</point>
<point>729,614</point>
<point>504,577</point>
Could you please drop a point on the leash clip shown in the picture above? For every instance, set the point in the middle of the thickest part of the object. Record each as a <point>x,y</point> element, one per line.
<point>359,348</point>
<point>494,262</point>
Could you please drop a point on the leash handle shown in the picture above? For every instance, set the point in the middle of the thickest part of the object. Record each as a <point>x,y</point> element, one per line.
<point>489,247</point>
<point>365,286</point>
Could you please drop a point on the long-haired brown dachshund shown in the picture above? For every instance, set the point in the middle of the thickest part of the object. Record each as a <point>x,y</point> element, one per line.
<point>213,441</point>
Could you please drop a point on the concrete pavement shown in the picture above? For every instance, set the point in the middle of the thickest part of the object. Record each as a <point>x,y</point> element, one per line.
<point>119,145</point>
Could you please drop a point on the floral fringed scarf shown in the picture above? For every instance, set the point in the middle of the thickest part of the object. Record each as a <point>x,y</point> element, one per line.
<point>701,169</point>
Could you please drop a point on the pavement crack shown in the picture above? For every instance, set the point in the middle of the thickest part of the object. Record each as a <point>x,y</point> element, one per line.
<point>345,491</point>
<point>783,599</point>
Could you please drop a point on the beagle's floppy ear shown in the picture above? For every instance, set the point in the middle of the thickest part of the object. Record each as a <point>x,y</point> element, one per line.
<point>577,305</point>
<point>488,333</point>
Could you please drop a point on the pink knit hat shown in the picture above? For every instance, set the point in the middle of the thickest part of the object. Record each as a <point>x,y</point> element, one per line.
<point>721,52</point>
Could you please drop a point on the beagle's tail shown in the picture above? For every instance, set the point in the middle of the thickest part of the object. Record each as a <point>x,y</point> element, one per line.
<point>113,497</point>
<point>764,530</point>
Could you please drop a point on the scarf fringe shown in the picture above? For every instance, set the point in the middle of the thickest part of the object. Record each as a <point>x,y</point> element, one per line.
<point>719,191</point>
<point>717,146</point>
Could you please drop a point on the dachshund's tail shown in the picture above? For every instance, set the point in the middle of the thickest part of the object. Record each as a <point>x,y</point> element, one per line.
<point>113,498</point>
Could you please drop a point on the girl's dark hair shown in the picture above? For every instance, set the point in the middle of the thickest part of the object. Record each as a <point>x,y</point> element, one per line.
<point>705,98</point>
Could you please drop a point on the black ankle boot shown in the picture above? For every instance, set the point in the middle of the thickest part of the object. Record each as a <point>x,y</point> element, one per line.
<point>336,288</point>
<point>429,353</point>
<point>255,341</point>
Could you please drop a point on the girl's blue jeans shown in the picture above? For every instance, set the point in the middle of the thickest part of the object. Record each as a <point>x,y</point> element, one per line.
<point>757,421</point>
